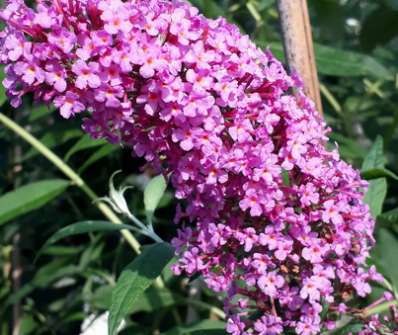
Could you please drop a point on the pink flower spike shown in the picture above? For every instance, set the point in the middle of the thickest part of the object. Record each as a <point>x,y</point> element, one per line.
<point>55,76</point>
<point>14,46</point>
<point>64,39</point>
<point>270,283</point>
<point>86,74</point>
<point>331,213</point>
<point>69,104</point>
<point>44,20</point>
<point>30,73</point>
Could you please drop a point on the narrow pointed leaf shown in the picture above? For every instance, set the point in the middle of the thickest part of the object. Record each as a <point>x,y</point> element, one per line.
<point>390,217</point>
<point>378,173</point>
<point>375,158</point>
<point>83,227</point>
<point>340,63</point>
<point>85,142</point>
<point>135,279</point>
<point>377,189</point>
<point>205,327</point>
<point>102,152</point>
<point>153,193</point>
<point>376,195</point>
<point>29,197</point>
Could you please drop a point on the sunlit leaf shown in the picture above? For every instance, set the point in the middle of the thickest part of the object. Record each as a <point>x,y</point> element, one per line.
<point>29,197</point>
<point>153,193</point>
<point>135,279</point>
<point>3,96</point>
<point>152,299</point>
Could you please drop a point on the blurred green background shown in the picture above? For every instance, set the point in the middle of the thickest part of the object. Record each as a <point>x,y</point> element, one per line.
<point>357,58</point>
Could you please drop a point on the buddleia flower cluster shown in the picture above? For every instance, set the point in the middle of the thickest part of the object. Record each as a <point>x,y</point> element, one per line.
<point>269,217</point>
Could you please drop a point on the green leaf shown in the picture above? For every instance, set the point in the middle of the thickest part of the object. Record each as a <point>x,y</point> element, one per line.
<point>3,96</point>
<point>63,251</point>
<point>45,276</point>
<point>153,193</point>
<point>376,195</point>
<point>375,158</point>
<point>99,154</point>
<point>378,173</point>
<point>28,325</point>
<point>209,8</point>
<point>390,217</point>
<point>205,327</point>
<point>135,279</point>
<point>53,139</point>
<point>341,63</point>
<point>377,190</point>
<point>85,142</point>
<point>349,329</point>
<point>29,197</point>
<point>153,299</point>
<point>348,147</point>
<point>386,251</point>
<point>285,177</point>
<point>39,112</point>
<point>83,227</point>
<point>136,329</point>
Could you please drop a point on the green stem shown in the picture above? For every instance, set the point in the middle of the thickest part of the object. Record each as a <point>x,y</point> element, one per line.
<point>331,99</point>
<point>380,308</point>
<point>200,304</point>
<point>72,175</point>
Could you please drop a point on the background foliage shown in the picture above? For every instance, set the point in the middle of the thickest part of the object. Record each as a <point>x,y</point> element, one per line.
<point>357,52</point>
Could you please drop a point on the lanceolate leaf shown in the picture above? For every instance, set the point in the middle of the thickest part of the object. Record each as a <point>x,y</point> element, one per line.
<point>151,300</point>
<point>153,193</point>
<point>378,173</point>
<point>29,197</point>
<point>375,158</point>
<point>349,329</point>
<point>83,228</point>
<point>205,327</point>
<point>135,279</point>
<point>341,63</point>
<point>85,142</point>
<point>377,190</point>
<point>375,196</point>
<point>3,96</point>
<point>386,251</point>
<point>102,152</point>
<point>209,7</point>
<point>390,217</point>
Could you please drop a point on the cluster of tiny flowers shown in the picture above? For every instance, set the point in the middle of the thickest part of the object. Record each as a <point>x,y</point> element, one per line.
<point>270,217</point>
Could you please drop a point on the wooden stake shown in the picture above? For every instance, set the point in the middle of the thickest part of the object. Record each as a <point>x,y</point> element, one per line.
<point>298,44</point>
